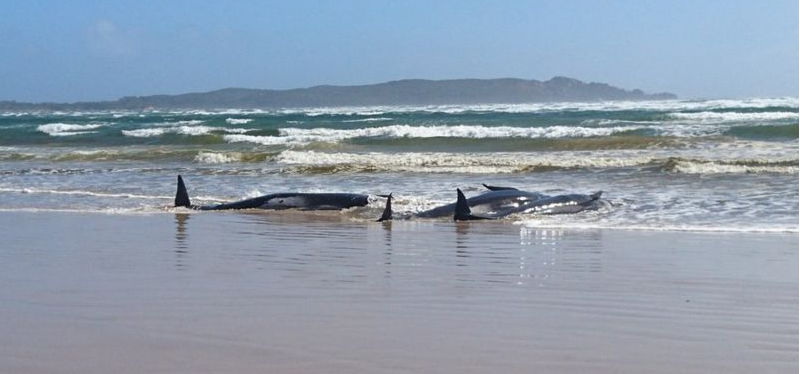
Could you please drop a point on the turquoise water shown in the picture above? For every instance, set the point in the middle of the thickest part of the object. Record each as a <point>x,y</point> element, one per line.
<point>698,165</point>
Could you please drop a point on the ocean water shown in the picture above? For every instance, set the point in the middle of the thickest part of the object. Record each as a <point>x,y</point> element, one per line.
<point>713,165</point>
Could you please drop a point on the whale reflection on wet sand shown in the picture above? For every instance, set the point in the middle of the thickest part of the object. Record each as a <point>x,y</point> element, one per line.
<point>305,292</point>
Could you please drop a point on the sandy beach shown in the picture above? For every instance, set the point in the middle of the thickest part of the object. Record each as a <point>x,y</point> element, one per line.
<point>304,293</point>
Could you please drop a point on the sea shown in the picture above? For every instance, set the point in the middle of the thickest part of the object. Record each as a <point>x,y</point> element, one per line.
<point>695,165</point>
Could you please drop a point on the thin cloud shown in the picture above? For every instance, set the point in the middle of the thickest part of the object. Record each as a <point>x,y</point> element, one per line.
<point>105,38</point>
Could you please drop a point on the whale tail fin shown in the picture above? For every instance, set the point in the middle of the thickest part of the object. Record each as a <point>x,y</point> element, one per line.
<point>596,195</point>
<point>498,188</point>
<point>387,211</point>
<point>463,212</point>
<point>181,196</point>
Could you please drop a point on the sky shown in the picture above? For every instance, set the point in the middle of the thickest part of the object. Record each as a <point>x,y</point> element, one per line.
<point>66,51</point>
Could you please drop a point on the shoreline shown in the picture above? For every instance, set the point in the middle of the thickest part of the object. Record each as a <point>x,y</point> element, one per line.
<point>91,293</point>
<point>311,217</point>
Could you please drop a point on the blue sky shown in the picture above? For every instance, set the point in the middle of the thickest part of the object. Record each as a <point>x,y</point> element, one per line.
<point>100,50</point>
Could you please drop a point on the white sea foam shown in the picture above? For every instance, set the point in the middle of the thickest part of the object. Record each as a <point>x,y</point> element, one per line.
<point>263,140</point>
<point>460,131</point>
<point>27,190</point>
<point>238,121</point>
<point>655,105</point>
<point>79,192</point>
<point>181,130</point>
<point>144,133</point>
<point>301,136</point>
<point>714,117</point>
<point>702,167</point>
<point>188,122</point>
<point>68,129</point>
<point>298,136</point>
<point>373,119</point>
<point>217,158</point>
<point>452,162</point>
<point>695,161</point>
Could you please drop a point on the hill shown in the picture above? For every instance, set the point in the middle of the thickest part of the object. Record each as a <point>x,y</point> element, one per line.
<point>402,92</point>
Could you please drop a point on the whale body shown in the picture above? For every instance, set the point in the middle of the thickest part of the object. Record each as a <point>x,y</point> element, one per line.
<point>279,201</point>
<point>500,202</point>
<point>498,199</point>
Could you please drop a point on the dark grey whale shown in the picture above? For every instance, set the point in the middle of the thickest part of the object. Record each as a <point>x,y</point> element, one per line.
<point>496,199</point>
<point>499,202</point>
<point>279,201</point>
<point>559,204</point>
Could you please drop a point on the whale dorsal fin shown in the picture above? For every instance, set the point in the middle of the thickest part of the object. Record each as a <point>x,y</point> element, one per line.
<point>181,196</point>
<point>498,188</point>
<point>387,211</point>
<point>463,212</point>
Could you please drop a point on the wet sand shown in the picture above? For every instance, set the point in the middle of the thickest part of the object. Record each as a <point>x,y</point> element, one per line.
<point>298,293</point>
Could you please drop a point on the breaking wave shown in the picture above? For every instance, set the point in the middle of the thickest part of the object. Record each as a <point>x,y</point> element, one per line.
<point>482,163</point>
<point>217,158</point>
<point>714,117</point>
<point>68,129</point>
<point>298,136</point>
<point>238,121</point>
<point>181,130</point>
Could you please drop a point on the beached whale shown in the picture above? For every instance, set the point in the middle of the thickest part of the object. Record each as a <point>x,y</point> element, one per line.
<point>279,201</point>
<point>559,204</point>
<point>496,199</point>
<point>500,202</point>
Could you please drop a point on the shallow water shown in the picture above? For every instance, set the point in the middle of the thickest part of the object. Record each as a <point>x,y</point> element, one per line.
<point>724,165</point>
<point>303,292</point>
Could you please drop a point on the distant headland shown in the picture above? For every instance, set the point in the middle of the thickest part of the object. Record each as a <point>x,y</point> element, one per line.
<point>401,92</point>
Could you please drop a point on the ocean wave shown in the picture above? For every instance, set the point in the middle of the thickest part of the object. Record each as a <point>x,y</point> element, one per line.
<point>189,122</point>
<point>217,158</point>
<point>263,140</point>
<point>181,130</point>
<point>374,119</point>
<point>68,129</point>
<point>730,167</point>
<point>655,105</point>
<point>301,136</point>
<point>238,121</point>
<point>312,162</point>
<point>443,162</point>
<point>147,154</point>
<point>298,136</point>
<point>714,117</point>
<point>458,131</point>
